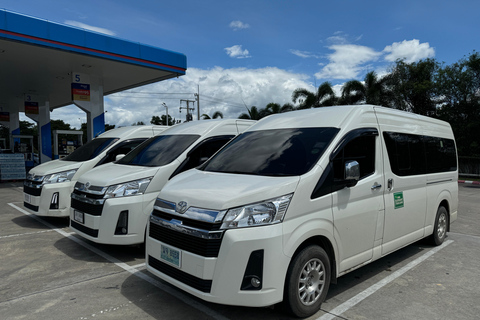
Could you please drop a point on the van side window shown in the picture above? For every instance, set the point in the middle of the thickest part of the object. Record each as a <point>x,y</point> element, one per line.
<point>122,148</point>
<point>406,153</point>
<point>361,148</point>
<point>441,154</point>
<point>202,152</point>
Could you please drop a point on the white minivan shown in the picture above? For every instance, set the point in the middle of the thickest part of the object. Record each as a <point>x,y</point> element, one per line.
<point>111,204</point>
<point>300,199</point>
<point>48,186</point>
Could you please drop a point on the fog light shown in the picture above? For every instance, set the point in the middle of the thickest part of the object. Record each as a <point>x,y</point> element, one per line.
<point>54,201</point>
<point>122,223</point>
<point>253,276</point>
<point>255,282</point>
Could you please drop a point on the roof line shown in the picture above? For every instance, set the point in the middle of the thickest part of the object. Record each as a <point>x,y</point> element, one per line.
<point>15,34</point>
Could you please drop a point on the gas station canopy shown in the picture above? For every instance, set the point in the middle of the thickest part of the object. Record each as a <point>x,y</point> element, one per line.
<point>46,65</point>
<point>38,57</point>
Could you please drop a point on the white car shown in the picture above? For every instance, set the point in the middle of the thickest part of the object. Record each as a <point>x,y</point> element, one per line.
<point>48,186</point>
<point>111,204</point>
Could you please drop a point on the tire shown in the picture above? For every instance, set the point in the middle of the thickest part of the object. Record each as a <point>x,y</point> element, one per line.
<point>440,227</point>
<point>307,282</point>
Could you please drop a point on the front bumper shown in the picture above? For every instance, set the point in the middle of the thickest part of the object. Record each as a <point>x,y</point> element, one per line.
<point>100,226</point>
<point>219,279</point>
<point>49,199</point>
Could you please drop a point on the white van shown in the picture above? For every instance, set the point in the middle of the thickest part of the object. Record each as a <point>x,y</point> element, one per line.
<point>300,199</point>
<point>48,186</point>
<point>111,204</point>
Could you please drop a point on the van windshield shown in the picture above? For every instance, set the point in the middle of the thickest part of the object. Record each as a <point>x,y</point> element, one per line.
<point>278,152</point>
<point>158,151</point>
<point>90,150</point>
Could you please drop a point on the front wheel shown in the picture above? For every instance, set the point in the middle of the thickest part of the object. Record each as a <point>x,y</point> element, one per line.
<point>307,282</point>
<point>440,227</point>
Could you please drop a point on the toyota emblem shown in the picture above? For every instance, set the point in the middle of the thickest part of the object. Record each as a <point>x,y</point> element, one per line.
<point>181,207</point>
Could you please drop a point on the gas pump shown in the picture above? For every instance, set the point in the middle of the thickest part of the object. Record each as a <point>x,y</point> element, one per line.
<point>65,146</point>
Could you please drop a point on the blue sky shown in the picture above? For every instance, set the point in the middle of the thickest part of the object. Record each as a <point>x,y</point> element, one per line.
<point>244,53</point>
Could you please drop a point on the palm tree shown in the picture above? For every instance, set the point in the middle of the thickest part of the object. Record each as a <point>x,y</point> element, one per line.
<point>372,91</point>
<point>325,96</point>
<point>216,114</point>
<point>253,114</point>
<point>272,108</point>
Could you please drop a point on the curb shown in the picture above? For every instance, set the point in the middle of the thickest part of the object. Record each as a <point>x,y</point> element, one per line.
<point>469,182</point>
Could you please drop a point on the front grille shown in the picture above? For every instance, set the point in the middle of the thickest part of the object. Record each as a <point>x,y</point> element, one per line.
<point>92,209</point>
<point>32,191</point>
<point>82,228</point>
<point>197,224</point>
<point>200,246</point>
<point>191,281</point>
<point>31,207</point>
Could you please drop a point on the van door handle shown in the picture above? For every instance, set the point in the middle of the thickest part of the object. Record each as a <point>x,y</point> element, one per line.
<point>376,186</point>
<point>390,184</point>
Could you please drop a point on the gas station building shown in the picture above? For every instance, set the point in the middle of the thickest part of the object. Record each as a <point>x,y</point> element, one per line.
<point>46,65</point>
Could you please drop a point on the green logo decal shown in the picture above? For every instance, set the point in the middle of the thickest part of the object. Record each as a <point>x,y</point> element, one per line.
<point>398,200</point>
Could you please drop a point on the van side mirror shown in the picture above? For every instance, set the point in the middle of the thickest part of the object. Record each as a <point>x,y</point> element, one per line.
<point>352,173</point>
<point>119,156</point>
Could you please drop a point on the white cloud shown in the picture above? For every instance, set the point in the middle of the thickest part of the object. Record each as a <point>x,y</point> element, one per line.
<point>347,61</point>
<point>410,50</point>
<point>225,90</point>
<point>237,51</point>
<point>303,54</point>
<point>88,27</point>
<point>238,25</point>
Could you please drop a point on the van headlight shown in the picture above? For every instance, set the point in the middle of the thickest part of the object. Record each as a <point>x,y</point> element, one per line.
<point>130,188</point>
<point>257,214</point>
<point>59,176</point>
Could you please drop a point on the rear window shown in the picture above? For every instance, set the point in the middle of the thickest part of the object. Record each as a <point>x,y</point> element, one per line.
<point>90,150</point>
<point>159,150</point>
<point>278,152</point>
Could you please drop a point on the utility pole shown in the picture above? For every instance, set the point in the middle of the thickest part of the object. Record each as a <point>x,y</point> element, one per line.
<point>167,111</point>
<point>197,97</point>
<point>189,116</point>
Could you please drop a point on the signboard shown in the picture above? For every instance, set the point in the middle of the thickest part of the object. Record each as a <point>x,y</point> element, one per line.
<point>80,87</point>
<point>31,107</point>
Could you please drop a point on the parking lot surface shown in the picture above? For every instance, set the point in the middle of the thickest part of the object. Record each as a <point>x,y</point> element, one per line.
<point>48,272</point>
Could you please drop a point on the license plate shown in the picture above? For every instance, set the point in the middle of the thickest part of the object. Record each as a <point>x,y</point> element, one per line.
<point>79,216</point>
<point>28,198</point>
<point>171,256</point>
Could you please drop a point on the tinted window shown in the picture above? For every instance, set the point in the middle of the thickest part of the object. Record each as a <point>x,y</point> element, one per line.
<point>90,150</point>
<point>121,148</point>
<point>159,150</point>
<point>281,152</point>
<point>357,145</point>
<point>406,153</point>
<point>201,152</point>
<point>414,154</point>
<point>362,150</point>
<point>441,154</point>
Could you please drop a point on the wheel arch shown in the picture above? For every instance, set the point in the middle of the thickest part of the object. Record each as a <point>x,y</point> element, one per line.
<point>324,243</point>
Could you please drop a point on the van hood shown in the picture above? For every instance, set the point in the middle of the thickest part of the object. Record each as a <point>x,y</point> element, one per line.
<point>112,173</point>
<point>221,191</point>
<point>55,166</point>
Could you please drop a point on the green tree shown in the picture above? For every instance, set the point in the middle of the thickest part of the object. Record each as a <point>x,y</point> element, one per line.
<point>458,86</point>
<point>414,86</point>
<point>325,96</point>
<point>216,114</point>
<point>162,121</point>
<point>273,108</point>
<point>372,90</point>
